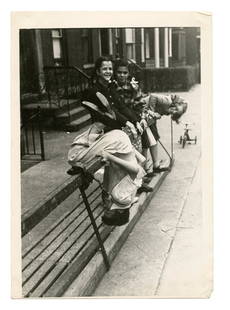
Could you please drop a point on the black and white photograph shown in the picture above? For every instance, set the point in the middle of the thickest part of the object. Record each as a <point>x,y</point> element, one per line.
<point>112,143</point>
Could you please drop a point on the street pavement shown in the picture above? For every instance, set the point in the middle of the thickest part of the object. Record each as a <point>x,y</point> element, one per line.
<point>165,255</point>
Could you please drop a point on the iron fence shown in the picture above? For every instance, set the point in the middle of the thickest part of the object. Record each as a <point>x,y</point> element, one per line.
<point>32,140</point>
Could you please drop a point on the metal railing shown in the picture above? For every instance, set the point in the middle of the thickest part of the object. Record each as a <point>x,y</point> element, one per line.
<point>63,84</point>
<point>32,141</point>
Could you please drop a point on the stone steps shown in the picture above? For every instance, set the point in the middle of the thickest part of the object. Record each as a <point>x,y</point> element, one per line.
<point>78,124</point>
<point>75,114</point>
<point>72,117</point>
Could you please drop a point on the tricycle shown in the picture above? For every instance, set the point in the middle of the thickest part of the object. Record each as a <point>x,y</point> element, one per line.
<point>186,136</point>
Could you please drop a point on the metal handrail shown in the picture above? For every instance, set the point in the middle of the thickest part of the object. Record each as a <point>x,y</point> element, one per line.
<point>82,72</point>
<point>62,85</point>
<point>133,62</point>
<point>31,118</point>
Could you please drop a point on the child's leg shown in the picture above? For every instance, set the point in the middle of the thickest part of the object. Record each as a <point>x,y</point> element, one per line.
<point>154,154</point>
<point>145,154</point>
<point>106,178</point>
<point>140,158</point>
<point>145,146</point>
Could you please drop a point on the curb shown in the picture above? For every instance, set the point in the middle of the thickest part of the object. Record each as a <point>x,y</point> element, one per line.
<point>91,275</point>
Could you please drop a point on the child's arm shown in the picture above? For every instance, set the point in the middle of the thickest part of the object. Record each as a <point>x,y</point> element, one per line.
<point>127,165</point>
<point>137,92</point>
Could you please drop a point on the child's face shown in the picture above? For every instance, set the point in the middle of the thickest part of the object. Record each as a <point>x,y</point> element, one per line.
<point>122,75</point>
<point>106,71</point>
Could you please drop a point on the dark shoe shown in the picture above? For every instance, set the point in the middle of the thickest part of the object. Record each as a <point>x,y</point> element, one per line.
<point>146,179</point>
<point>160,169</point>
<point>156,170</point>
<point>74,170</point>
<point>144,188</point>
<point>150,174</point>
<point>116,217</point>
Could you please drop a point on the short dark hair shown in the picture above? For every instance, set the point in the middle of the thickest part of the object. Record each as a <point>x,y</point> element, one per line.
<point>120,63</point>
<point>98,64</point>
<point>100,60</point>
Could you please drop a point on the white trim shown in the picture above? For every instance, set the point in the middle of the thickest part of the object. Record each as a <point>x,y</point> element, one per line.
<point>110,41</point>
<point>147,50</point>
<point>170,42</point>
<point>166,47</point>
<point>142,45</point>
<point>157,47</point>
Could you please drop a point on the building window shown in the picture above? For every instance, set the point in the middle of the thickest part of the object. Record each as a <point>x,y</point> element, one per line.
<point>130,42</point>
<point>129,36</point>
<point>118,43</point>
<point>57,46</point>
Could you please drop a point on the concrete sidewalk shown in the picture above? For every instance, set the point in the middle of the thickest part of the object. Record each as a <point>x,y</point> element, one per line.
<point>187,268</point>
